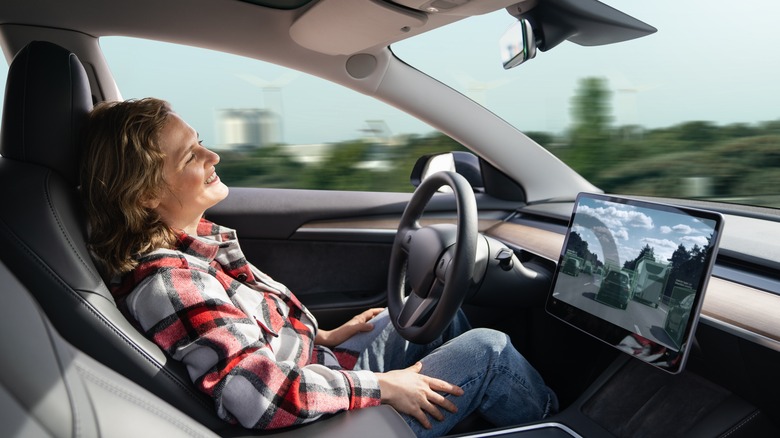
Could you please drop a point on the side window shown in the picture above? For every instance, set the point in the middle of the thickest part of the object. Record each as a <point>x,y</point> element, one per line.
<point>276,127</point>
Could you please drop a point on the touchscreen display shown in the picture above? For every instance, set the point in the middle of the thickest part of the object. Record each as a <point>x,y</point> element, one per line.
<point>633,274</point>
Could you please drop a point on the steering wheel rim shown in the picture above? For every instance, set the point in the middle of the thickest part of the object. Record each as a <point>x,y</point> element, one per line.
<point>437,261</point>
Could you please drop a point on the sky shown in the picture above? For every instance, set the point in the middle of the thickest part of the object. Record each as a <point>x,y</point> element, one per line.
<point>709,60</point>
<point>632,228</point>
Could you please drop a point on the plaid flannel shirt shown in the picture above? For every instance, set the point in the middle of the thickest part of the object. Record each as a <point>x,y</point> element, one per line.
<point>245,339</point>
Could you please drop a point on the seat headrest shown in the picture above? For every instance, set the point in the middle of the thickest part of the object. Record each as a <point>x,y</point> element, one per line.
<point>47,100</point>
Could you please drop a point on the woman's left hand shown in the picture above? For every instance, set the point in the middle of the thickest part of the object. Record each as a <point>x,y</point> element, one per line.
<point>358,324</point>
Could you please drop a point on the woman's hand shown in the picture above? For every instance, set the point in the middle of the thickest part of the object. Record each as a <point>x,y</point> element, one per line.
<point>358,324</point>
<point>414,394</point>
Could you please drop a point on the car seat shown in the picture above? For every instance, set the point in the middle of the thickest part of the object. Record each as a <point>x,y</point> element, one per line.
<point>42,242</point>
<point>42,226</point>
<point>49,388</point>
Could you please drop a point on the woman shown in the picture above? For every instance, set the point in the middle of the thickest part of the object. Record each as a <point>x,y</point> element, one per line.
<point>246,339</point>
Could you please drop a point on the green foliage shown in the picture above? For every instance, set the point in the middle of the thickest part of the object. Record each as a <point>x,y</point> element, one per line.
<point>737,162</point>
<point>580,247</point>
<point>544,139</point>
<point>734,168</point>
<point>697,158</point>
<point>339,170</point>
<point>264,167</point>
<point>698,132</point>
<point>647,252</point>
<point>352,165</point>
<point>590,133</point>
<point>686,266</point>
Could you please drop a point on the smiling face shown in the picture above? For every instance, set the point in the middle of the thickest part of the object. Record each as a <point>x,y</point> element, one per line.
<point>190,174</point>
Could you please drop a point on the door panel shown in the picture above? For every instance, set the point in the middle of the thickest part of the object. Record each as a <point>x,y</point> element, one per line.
<point>332,249</point>
<point>278,213</point>
<point>336,280</point>
<point>336,273</point>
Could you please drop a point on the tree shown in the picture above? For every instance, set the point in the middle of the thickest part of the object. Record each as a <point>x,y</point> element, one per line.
<point>590,134</point>
<point>545,139</point>
<point>679,257</point>
<point>645,253</point>
<point>580,247</point>
<point>698,133</point>
<point>340,170</point>
<point>269,166</point>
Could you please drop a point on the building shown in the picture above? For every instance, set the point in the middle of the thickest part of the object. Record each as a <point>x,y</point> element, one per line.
<point>247,128</point>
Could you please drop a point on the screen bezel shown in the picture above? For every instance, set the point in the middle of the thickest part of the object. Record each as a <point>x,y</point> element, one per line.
<point>654,353</point>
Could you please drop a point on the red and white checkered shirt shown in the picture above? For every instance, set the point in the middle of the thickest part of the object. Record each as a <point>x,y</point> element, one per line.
<point>246,339</point>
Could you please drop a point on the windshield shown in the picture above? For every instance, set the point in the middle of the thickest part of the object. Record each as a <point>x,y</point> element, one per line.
<point>687,112</point>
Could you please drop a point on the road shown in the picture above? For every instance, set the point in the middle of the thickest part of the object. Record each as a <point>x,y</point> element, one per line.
<point>648,322</point>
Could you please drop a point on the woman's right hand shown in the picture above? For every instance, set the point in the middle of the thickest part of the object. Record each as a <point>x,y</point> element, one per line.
<point>358,324</point>
<point>415,394</point>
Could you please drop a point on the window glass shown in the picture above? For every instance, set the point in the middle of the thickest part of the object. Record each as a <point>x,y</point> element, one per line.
<point>690,111</point>
<point>275,127</point>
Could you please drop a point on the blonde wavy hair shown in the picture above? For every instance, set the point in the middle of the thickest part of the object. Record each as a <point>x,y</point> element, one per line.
<point>122,167</point>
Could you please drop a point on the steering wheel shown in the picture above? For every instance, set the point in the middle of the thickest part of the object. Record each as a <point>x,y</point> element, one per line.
<point>434,263</point>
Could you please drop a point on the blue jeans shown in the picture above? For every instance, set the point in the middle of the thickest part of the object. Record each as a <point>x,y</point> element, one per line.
<point>497,381</point>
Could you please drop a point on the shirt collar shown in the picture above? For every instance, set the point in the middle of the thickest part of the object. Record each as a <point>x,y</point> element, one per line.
<point>210,238</point>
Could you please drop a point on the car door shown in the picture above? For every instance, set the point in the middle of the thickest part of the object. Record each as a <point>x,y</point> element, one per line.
<point>331,248</point>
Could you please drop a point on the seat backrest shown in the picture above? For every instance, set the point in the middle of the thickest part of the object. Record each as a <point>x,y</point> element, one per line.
<point>42,226</point>
<point>69,394</point>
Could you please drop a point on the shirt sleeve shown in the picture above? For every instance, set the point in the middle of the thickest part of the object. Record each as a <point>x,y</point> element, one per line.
<point>189,315</point>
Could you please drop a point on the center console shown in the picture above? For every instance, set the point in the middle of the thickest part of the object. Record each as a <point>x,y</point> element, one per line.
<point>633,399</point>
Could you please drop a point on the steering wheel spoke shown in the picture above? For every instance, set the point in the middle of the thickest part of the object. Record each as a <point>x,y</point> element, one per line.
<point>415,310</point>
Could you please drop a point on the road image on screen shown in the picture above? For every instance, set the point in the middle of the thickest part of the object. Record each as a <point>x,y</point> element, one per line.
<point>637,266</point>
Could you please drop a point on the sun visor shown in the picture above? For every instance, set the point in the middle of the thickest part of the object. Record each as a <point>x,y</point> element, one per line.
<point>345,27</point>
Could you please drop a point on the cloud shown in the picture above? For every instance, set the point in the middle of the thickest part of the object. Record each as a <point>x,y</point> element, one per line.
<point>616,218</point>
<point>695,240</point>
<point>621,234</point>
<point>679,229</point>
<point>660,243</point>
<point>682,229</point>
<point>639,220</point>
<point>662,248</point>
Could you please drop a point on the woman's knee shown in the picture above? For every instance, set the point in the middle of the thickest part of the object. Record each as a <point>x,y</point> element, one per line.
<point>490,338</point>
<point>490,341</point>
<point>480,347</point>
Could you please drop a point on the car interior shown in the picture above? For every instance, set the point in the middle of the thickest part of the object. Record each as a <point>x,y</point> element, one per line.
<point>73,365</point>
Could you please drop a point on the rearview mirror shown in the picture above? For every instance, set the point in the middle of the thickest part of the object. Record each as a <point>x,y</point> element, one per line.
<point>518,44</point>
